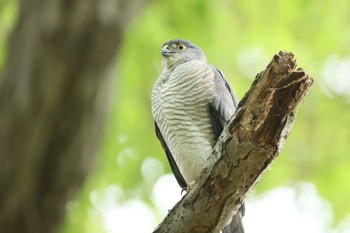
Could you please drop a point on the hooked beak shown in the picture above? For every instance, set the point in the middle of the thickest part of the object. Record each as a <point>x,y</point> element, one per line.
<point>166,52</point>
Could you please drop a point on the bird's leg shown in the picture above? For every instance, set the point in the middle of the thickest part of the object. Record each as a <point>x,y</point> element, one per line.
<point>189,187</point>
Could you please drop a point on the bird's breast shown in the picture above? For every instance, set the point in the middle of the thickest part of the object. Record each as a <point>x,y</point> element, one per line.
<point>180,106</point>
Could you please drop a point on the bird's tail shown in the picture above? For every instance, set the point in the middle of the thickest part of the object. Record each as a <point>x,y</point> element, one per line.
<point>236,225</point>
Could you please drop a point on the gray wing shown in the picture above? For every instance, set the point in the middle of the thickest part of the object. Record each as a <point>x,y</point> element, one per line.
<point>171,160</point>
<point>223,105</point>
<point>222,108</point>
<point>236,225</point>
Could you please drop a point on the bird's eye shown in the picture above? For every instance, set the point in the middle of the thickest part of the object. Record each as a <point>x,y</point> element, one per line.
<point>181,47</point>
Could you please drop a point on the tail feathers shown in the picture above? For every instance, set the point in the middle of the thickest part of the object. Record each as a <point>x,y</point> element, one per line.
<point>235,225</point>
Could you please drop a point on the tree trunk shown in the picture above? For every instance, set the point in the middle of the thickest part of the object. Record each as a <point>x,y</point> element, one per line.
<point>250,142</point>
<point>52,105</point>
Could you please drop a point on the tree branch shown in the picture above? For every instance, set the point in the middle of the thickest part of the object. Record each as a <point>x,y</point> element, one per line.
<point>250,142</point>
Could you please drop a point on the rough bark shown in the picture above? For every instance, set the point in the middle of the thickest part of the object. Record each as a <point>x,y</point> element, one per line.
<point>250,142</point>
<point>52,98</point>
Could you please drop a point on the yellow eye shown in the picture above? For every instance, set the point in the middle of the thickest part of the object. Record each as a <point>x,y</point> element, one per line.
<point>181,46</point>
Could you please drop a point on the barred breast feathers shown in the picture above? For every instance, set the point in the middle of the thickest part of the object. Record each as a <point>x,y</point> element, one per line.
<point>189,86</point>
<point>180,101</point>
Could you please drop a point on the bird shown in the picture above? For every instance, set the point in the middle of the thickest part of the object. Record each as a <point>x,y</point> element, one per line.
<point>192,102</point>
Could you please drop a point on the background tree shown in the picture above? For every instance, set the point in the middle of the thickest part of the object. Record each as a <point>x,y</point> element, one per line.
<point>53,93</point>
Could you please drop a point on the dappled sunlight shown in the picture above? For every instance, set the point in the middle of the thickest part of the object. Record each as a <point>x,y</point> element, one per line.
<point>289,209</point>
<point>283,209</point>
<point>121,216</point>
<point>251,60</point>
<point>336,77</point>
<point>132,216</point>
<point>166,193</point>
<point>125,156</point>
<point>151,169</point>
<point>344,226</point>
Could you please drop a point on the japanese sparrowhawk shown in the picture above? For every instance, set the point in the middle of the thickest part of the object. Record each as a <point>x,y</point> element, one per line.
<point>191,103</point>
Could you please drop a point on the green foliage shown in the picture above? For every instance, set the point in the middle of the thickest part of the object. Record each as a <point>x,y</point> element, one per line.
<point>8,13</point>
<point>239,37</point>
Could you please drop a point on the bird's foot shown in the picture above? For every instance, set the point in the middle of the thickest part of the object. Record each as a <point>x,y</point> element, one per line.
<point>189,187</point>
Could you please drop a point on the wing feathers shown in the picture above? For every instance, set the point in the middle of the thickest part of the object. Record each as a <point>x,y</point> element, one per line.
<point>223,105</point>
<point>171,160</point>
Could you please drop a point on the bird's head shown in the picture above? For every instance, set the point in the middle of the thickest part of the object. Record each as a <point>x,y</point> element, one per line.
<point>178,51</point>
